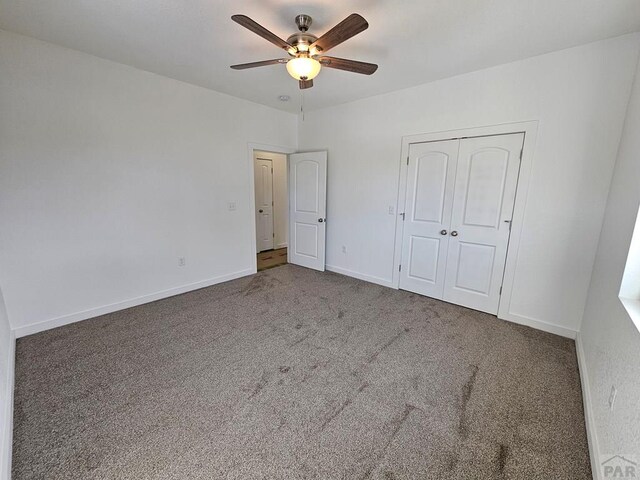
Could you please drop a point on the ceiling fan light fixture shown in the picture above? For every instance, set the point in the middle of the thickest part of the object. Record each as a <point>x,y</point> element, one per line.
<point>303,68</point>
<point>307,51</point>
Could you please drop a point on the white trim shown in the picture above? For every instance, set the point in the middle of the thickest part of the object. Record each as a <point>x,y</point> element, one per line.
<point>540,325</point>
<point>280,245</point>
<point>530,130</point>
<point>361,276</point>
<point>511,317</point>
<point>6,436</point>
<point>133,302</point>
<point>592,434</point>
<point>251,146</point>
<point>632,305</point>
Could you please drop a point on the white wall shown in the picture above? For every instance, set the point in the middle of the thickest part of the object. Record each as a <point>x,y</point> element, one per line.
<point>609,342</point>
<point>108,174</point>
<point>280,197</point>
<point>7,351</point>
<point>579,97</point>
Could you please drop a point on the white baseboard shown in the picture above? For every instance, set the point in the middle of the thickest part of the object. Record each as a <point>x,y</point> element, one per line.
<point>133,302</point>
<point>540,325</point>
<point>361,276</point>
<point>520,319</point>
<point>280,245</point>
<point>592,434</point>
<point>6,438</point>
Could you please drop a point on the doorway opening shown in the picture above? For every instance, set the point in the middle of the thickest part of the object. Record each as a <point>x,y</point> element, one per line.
<point>271,208</point>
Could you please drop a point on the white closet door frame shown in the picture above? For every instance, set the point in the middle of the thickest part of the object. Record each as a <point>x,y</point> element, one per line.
<point>530,130</point>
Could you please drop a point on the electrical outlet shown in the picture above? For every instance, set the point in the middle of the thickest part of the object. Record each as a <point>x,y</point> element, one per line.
<point>344,249</point>
<point>612,397</point>
<point>392,210</point>
<point>232,206</point>
<point>182,261</point>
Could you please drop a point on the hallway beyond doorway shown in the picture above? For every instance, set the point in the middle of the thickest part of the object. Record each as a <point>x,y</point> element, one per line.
<point>272,258</point>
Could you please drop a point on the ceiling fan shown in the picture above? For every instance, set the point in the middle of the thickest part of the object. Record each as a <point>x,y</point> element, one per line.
<point>306,51</point>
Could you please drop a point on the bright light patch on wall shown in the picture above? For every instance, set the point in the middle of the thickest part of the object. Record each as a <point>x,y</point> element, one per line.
<point>630,287</point>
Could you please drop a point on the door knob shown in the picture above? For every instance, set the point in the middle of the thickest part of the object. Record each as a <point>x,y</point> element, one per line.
<point>454,234</point>
<point>260,211</point>
<point>320,220</point>
<point>443,232</point>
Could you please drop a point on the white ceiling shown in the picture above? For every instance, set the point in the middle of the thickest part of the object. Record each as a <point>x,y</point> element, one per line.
<point>413,41</point>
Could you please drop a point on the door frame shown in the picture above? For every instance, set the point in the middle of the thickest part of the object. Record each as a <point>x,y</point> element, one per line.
<point>530,130</point>
<point>251,147</point>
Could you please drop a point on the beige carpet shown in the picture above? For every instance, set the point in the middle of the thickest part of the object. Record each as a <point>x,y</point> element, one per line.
<point>296,374</point>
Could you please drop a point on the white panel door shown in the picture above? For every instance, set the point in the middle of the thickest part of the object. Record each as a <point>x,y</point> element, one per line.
<point>485,189</point>
<point>307,209</point>
<point>428,202</point>
<point>263,175</point>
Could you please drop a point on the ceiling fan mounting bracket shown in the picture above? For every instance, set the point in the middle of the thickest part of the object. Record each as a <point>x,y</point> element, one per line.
<point>303,22</point>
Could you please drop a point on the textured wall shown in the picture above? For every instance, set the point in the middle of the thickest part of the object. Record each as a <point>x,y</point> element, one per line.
<point>609,339</point>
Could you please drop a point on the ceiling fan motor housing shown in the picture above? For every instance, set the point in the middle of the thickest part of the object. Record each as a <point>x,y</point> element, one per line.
<point>301,41</point>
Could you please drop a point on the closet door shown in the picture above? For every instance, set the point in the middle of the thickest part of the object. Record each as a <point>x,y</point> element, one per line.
<point>263,174</point>
<point>428,203</point>
<point>485,189</point>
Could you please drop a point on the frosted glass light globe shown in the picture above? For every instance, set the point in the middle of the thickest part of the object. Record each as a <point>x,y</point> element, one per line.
<point>306,67</point>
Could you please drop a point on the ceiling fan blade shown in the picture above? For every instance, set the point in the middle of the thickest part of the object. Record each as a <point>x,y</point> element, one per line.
<point>348,65</point>
<point>255,27</point>
<point>243,66</point>
<point>304,84</point>
<point>350,26</point>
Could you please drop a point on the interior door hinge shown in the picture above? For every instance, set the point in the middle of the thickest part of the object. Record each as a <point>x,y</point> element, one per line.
<point>500,289</point>
<point>399,268</point>
<point>521,151</point>
<point>407,160</point>
<point>402,216</point>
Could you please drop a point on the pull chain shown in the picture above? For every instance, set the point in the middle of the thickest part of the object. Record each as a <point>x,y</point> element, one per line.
<point>302,104</point>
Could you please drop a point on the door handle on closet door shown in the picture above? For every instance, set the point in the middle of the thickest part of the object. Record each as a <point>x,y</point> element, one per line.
<point>260,211</point>
<point>443,232</point>
<point>454,234</point>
